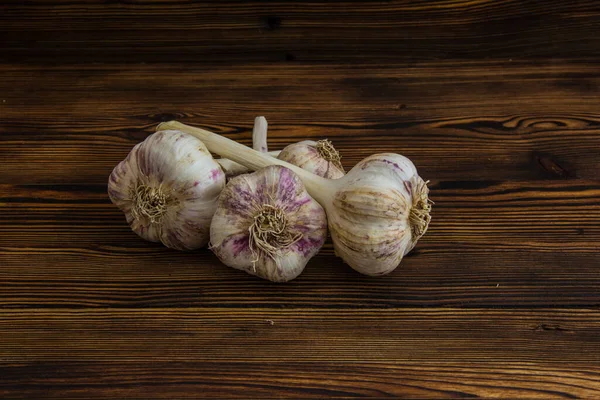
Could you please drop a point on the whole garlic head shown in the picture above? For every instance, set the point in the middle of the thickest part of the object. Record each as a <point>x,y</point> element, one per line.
<point>267,224</point>
<point>168,188</point>
<point>379,214</point>
<point>320,158</point>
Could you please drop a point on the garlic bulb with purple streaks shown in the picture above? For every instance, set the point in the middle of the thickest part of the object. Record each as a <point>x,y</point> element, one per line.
<point>376,212</point>
<point>168,188</point>
<point>267,224</point>
<point>320,158</point>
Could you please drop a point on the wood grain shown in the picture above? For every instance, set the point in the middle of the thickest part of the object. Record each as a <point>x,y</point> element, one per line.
<point>490,244</point>
<point>456,121</point>
<point>165,380</point>
<point>496,102</point>
<point>192,334</point>
<point>301,352</point>
<point>285,31</point>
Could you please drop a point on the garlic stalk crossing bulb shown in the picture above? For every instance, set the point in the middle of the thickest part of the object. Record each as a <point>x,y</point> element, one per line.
<point>259,143</point>
<point>376,212</point>
<point>267,224</point>
<point>319,157</point>
<point>168,188</point>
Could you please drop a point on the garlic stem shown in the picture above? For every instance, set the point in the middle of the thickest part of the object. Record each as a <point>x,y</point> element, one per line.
<point>320,188</point>
<point>259,143</point>
<point>231,168</point>
<point>259,135</point>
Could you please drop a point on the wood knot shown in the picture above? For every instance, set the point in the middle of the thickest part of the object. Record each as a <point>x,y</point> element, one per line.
<point>272,23</point>
<point>166,117</point>
<point>550,165</point>
<point>551,328</point>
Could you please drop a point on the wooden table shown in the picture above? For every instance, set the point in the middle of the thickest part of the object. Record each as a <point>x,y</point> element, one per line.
<point>496,102</point>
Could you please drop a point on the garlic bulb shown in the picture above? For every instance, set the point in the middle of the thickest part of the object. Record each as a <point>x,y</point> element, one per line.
<point>379,213</point>
<point>320,158</point>
<point>376,212</point>
<point>168,188</point>
<point>267,224</point>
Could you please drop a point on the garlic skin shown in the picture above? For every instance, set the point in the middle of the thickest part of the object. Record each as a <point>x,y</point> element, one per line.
<point>267,224</point>
<point>376,218</point>
<point>319,157</point>
<point>376,212</point>
<point>168,187</point>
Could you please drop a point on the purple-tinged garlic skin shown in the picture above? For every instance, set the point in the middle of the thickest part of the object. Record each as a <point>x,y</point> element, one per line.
<point>309,155</point>
<point>243,200</point>
<point>372,218</point>
<point>358,204</point>
<point>168,188</point>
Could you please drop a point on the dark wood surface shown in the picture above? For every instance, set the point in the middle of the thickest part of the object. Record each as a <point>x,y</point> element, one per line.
<point>496,102</point>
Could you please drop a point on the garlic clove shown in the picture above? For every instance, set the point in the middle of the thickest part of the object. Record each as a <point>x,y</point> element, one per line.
<point>168,187</point>
<point>319,157</point>
<point>267,224</point>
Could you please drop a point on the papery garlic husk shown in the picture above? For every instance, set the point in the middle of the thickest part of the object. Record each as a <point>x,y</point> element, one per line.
<point>267,224</point>
<point>379,214</point>
<point>168,188</point>
<point>319,157</point>
<point>376,212</point>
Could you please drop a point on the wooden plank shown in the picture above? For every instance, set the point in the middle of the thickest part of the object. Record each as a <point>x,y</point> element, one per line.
<point>280,31</point>
<point>553,337</point>
<point>544,215</point>
<point>76,278</point>
<point>496,102</point>
<point>457,121</point>
<point>489,244</point>
<point>148,379</point>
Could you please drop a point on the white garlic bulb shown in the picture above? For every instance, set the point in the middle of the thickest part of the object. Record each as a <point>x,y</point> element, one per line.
<point>379,213</point>
<point>376,212</point>
<point>168,188</point>
<point>320,158</point>
<point>267,224</point>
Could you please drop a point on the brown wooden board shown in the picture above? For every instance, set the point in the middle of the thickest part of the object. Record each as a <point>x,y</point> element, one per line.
<point>496,102</point>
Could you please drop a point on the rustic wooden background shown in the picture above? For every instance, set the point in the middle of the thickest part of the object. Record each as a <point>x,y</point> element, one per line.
<point>496,102</point>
